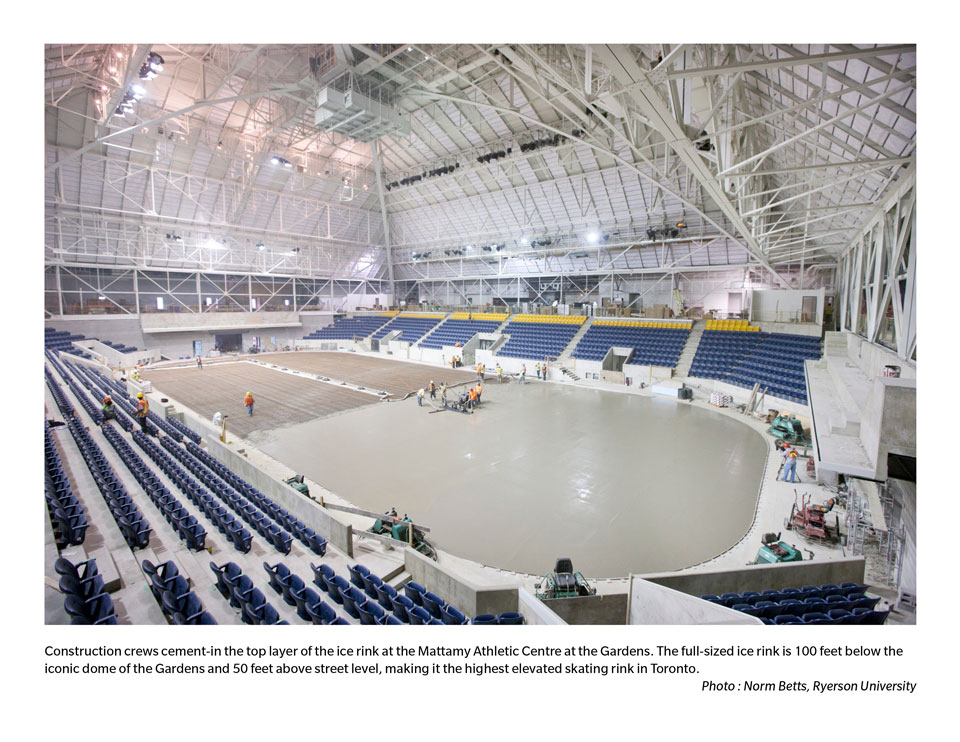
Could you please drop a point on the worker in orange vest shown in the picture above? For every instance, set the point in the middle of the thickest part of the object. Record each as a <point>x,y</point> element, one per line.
<point>143,410</point>
<point>479,392</point>
<point>248,403</point>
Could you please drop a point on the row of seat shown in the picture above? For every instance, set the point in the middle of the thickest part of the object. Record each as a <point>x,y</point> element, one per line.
<point>658,347</point>
<point>124,415</point>
<point>807,591</point>
<point>188,529</point>
<point>86,600</point>
<point>833,616</point>
<point>239,589</point>
<point>179,603</point>
<point>213,509</point>
<point>133,526</point>
<point>67,516</point>
<point>529,339</point>
<point>300,530</point>
<point>347,328</point>
<point>261,520</point>
<point>455,331</point>
<point>411,328</point>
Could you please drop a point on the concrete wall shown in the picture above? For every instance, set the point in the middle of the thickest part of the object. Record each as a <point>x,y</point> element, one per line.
<point>783,305</point>
<point>653,604</point>
<point>210,321</point>
<point>889,422</point>
<point>762,576</point>
<point>337,533</point>
<point>871,358</point>
<point>113,327</point>
<point>535,612</point>
<point>470,598</point>
<point>591,609</point>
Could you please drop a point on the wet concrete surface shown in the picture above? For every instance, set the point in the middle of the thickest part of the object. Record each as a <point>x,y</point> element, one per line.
<point>618,483</point>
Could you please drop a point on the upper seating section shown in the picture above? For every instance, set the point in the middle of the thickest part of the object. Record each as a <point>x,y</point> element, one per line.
<point>539,336</point>
<point>730,325</point>
<point>743,358</point>
<point>62,340</point>
<point>461,327</point>
<point>653,343</point>
<point>810,604</point>
<point>412,326</point>
<point>348,328</point>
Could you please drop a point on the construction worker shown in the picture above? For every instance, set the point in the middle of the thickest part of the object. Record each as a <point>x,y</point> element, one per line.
<point>472,397</point>
<point>433,390</point>
<point>479,392</point>
<point>523,374</point>
<point>420,397</point>
<point>248,403</point>
<point>543,370</point>
<point>479,371</point>
<point>143,410</point>
<point>109,409</point>
<point>200,363</point>
<point>499,374</point>
<point>443,393</point>
<point>789,464</point>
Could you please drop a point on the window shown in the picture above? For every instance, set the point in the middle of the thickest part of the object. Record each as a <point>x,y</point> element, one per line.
<point>159,303</point>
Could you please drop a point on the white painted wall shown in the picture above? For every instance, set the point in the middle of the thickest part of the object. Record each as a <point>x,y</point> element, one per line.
<point>783,305</point>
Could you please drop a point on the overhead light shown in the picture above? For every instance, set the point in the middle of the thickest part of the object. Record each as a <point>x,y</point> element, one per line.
<point>112,70</point>
<point>138,91</point>
<point>524,241</point>
<point>593,237</point>
<point>119,55</point>
<point>212,244</point>
<point>101,298</point>
<point>681,225</point>
<point>274,160</point>
<point>365,186</point>
<point>260,246</point>
<point>409,48</point>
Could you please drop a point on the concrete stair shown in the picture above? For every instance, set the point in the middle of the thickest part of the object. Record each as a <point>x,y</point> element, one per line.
<point>567,372</point>
<point>690,349</point>
<point>565,356</point>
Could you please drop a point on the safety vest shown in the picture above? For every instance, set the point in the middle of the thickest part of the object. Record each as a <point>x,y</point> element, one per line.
<point>248,400</point>
<point>792,455</point>
<point>143,409</point>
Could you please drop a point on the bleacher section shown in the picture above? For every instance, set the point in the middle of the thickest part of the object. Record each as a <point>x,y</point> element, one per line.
<point>460,327</point>
<point>365,597</point>
<point>810,604</point>
<point>67,516</point>
<point>653,343</point>
<point>745,356</point>
<point>348,328</point>
<point>537,336</point>
<point>412,326</point>
<point>62,340</point>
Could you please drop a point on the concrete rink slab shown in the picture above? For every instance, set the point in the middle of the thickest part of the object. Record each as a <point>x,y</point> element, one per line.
<point>617,482</point>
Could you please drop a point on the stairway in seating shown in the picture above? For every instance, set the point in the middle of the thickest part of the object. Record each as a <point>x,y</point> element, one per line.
<point>565,356</point>
<point>690,349</point>
<point>567,372</point>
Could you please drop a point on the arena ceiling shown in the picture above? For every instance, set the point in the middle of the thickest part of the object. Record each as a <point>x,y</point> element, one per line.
<point>512,159</point>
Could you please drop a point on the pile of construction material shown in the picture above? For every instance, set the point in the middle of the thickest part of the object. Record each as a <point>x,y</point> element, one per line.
<point>720,399</point>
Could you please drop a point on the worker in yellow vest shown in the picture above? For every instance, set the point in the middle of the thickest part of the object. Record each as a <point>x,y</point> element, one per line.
<point>143,410</point>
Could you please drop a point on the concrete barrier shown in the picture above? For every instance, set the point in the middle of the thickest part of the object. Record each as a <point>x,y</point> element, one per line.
<point>761,577</point>
<point>469,598</point>
<point>652,604</point>
<point>584,610</point>
<point>535,612</point>
<point>336,532</point>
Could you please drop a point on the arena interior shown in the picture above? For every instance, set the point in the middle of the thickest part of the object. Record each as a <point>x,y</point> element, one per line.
<point>463,334</point>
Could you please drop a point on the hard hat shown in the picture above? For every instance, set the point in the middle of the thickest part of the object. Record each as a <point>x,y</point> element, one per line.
<point>139,395</point>
<point>107,398</point>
